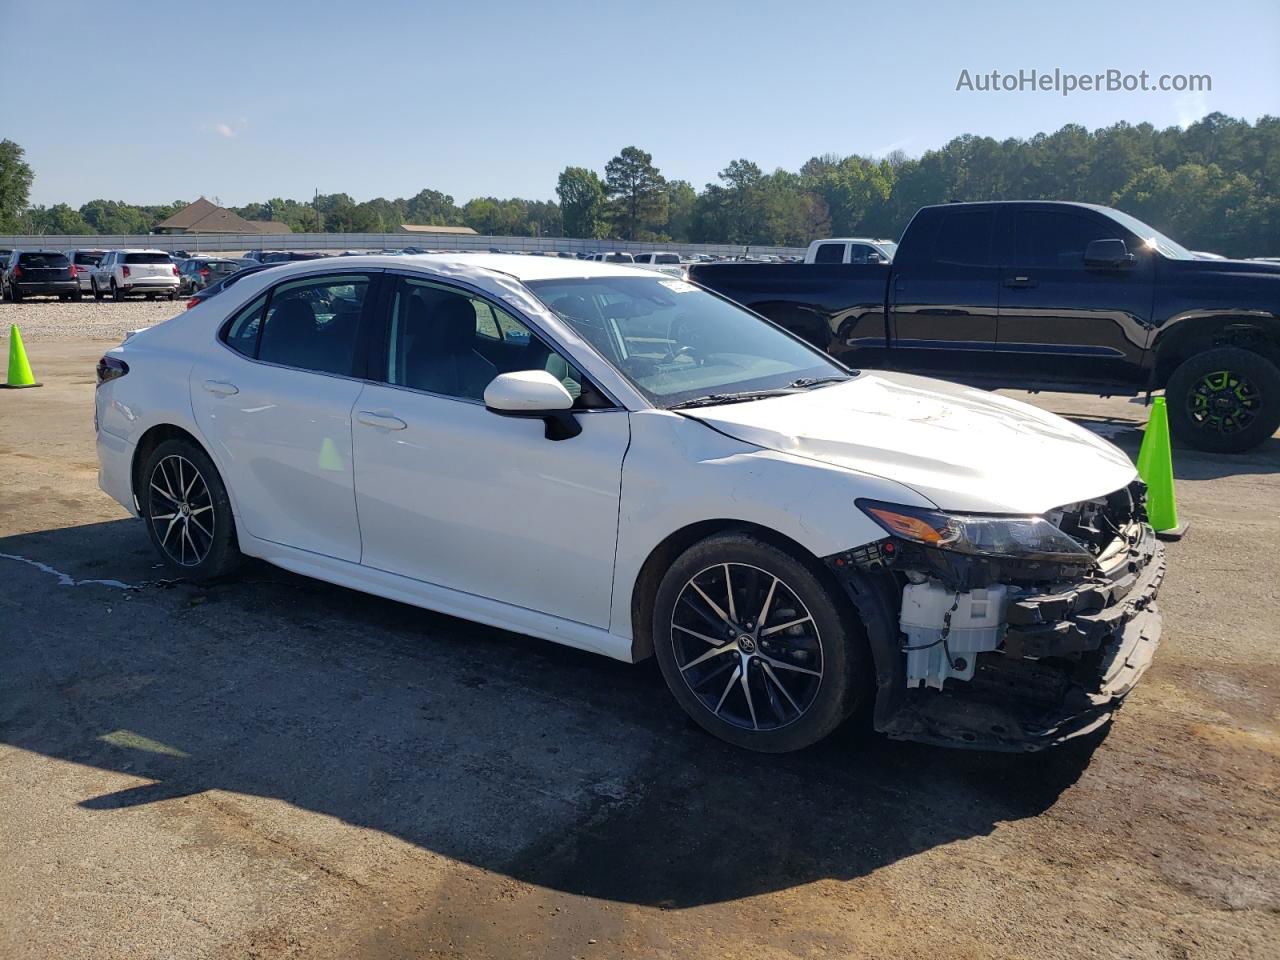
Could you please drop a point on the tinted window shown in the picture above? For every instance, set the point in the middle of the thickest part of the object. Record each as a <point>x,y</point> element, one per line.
<point>88,259</point>
<point>313,323</point>
<point>35,260</point>
<point>666,258</point>
<point>619,258</point>
<point>964,237</point>
<point>829,253</point>
<point>147,258</point>
<point>1050,238</point>
<point>446,342</point>
<point>242,334</point>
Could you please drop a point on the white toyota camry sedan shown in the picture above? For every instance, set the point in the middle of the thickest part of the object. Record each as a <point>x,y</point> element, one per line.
<point>627,463</point>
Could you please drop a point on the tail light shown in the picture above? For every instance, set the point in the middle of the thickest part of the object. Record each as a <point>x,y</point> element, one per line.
<point>204,272</point>
<point>192,302</point>
<point>175,271</point>
<point>109,368</point>
<point>124,271</point>
<point>17,272</point>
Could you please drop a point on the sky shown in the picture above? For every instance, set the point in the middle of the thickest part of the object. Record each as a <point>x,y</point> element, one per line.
<point>242,101</point>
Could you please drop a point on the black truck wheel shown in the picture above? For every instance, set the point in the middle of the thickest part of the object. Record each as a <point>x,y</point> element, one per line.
<point>1225,400</point>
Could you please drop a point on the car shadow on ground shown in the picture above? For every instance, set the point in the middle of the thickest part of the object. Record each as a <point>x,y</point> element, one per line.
<point>551,766</point>
<point>1188,463</point>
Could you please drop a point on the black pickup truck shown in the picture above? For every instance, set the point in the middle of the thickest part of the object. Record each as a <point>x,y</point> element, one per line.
<point>1046,296</point>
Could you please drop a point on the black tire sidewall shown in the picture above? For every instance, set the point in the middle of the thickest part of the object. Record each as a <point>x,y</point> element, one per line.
<point>224,554</point>
<point>843,648</point>
<point>1257,368</point>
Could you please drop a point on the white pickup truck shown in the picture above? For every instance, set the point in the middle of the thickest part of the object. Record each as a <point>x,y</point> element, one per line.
<point>661,262</point>
<point>850,250</point>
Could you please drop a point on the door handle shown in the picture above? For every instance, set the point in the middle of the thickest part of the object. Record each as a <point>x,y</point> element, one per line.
<point>1021,282</point>
<point>380,419</point>
<point>221,388</point>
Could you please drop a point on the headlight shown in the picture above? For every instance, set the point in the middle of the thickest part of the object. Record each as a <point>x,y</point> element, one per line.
<point>1024,538</point>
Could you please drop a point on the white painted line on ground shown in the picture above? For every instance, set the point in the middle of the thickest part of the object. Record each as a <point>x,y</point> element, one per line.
<point>66,580</point>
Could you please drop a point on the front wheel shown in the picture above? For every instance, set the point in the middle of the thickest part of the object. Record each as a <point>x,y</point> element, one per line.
<point>1225,400</point>
<point>754,646</point>
<point>187,511</point>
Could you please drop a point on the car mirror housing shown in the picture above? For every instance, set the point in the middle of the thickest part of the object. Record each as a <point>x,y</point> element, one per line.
<point>1108,253</point>
<point>535,395</point>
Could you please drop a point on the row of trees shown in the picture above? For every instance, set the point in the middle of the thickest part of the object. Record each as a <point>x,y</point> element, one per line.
<point>1214,185</point>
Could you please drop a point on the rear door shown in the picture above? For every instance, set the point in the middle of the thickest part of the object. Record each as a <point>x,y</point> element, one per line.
<point>44,267</point>
<point>274,401</point>
<point>148,266</point>
<point>943,298</point>
<point>1061,320</point>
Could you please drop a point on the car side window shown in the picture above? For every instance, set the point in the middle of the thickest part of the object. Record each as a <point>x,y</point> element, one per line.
<point>829,253</point>
<point>964,237</point>
<point>241,335</point>
<point>445,341</point>
<point>1054,239</point>
<point>314,323</point>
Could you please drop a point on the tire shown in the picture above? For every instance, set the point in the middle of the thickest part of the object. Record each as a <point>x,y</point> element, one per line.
<point>116,293</point>
<point>14,293</point>
<point>791,705</point>
<point>173,295</point>
<point>93,285</point>
<point>190,549</point>
<point>1225,400</point>
<point>77,296</point>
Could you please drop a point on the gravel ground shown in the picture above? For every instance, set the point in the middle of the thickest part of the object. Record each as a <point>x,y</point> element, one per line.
<point>51,319</point>
<point>276,768</point>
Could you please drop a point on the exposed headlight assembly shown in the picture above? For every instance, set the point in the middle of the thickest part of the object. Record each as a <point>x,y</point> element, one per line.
<point>984,535</point>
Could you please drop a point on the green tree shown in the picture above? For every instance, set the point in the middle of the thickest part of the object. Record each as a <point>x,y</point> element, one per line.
<point>432,208</point>
<point>58,219</point>
<point>638,193</point>
<point>15,185</point>
<point>681,201</point>
<point>582,203</point>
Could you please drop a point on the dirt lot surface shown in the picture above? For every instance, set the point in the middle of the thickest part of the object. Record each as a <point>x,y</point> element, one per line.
<point>276,768</point>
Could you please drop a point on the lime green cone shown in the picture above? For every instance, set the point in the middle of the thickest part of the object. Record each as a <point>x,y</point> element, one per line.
<point>1155,466</point>
<point>19,369</point>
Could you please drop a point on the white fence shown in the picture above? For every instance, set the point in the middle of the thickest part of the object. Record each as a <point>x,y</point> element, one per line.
<point>235,243</point>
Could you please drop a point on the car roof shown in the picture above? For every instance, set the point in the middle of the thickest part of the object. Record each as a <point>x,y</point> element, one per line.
<point>139,250</point>
<point>521,268</point>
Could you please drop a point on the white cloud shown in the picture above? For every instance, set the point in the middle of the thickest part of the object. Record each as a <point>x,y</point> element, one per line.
<point>1191,107</point>
<point>224,129</point>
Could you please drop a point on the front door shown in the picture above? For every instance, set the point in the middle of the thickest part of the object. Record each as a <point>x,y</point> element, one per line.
<point>275,408</point>
<point>1062,321</point>
<point>451,494</point>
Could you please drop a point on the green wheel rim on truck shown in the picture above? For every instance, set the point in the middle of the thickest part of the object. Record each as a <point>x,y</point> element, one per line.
<point>1224,401</point>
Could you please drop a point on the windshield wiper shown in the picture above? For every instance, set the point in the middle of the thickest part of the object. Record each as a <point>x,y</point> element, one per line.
<point>712,399</point>
<point>805,383</point>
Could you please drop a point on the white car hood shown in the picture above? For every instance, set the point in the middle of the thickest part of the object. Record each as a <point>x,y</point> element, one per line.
<point>965,449</point>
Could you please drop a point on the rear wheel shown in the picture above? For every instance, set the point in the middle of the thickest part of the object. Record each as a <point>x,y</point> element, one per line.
<point>753,645</point>
<point>1225,400</point>
<point>77,296</point>
<point>116,293</point>
<point>173,295</point>
<point>93,285</point>
<point>14,293</point>
<point>187,511</point>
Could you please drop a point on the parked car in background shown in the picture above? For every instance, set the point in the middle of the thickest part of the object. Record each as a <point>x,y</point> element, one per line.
<point>1042,295</point>
<point>689,482</point>
<point>850,250</point>
<point>123,273</point>
<point>230,280</point>
<point>612,257</point>
<point>33,272</point>
<point>84,262</point>
<point>196,273</point>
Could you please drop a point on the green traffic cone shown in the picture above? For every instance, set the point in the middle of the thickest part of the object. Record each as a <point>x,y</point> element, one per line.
<point>19,369</point>
<point>1155,466</point>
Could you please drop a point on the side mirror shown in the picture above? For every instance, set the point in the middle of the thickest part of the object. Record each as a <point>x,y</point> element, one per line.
<point>1112,254</point>
<point>534,395</point>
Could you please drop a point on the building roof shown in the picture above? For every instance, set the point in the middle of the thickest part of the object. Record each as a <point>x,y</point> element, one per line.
<point>430,228</point>
<point>205,217</point>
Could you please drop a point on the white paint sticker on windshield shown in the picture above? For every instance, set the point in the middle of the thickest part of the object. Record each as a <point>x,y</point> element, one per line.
<point>678,286</point>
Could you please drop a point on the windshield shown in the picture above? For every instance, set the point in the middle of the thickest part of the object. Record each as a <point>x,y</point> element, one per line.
<point>675,341</point>
<point>1154,238</point>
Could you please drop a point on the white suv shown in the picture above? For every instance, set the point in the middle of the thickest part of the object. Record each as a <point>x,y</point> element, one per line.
<point>122,272</point>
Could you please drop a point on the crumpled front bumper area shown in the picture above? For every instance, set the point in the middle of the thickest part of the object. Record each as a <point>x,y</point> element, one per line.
<point>1068,659</point>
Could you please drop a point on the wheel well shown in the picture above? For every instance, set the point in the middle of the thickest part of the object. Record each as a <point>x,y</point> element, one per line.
<point>645,591</point>
<point>147,443</point>
<point>1244,333</point>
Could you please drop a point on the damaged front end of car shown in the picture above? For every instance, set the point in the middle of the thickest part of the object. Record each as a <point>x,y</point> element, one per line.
<point>1006,633</point>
